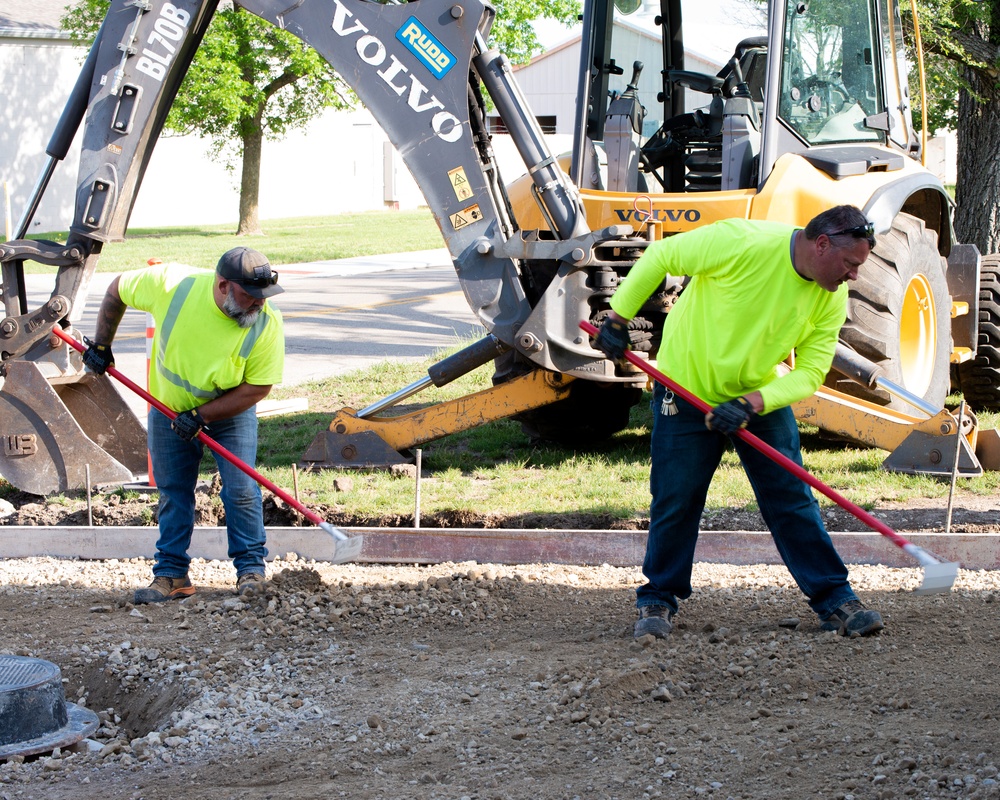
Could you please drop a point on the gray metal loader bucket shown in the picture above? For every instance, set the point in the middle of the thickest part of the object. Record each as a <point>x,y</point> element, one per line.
<point>52,431</point>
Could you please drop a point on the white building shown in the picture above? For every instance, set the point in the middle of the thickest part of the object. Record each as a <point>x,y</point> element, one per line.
<point>341,163</point>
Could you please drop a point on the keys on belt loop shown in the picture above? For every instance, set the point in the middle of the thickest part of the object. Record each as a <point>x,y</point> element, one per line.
<point>669,405</point>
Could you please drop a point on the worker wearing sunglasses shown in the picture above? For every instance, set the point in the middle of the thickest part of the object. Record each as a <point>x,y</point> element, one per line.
<point>758,291</point>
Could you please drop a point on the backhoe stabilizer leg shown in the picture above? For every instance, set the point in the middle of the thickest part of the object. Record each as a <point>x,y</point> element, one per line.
<point>923,453</point>
<point>380,442</point>
<point>988,449</point>
<point>924,446</point>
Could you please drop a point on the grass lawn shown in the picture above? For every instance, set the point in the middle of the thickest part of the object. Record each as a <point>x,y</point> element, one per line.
<point>285,241</point>
<point>495,468</point>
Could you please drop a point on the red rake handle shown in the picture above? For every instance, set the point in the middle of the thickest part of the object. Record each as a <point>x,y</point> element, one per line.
<point>207,440</point>
<point>763,447</point>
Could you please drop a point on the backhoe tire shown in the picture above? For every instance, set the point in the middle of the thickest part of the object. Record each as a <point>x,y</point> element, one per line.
<point>979,379</point>
<point>899,316</point>
<point>593,411</point>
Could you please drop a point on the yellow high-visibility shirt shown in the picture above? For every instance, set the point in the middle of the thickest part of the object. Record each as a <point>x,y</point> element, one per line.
<point>198,352</point>
<point>743,312</point>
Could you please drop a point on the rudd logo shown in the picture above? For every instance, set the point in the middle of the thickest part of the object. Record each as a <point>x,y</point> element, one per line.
<point>425,47</point>
<point>662,214</point>
<point>397,76</point>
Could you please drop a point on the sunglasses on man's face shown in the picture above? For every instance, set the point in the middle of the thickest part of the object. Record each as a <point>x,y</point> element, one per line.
<point>866,231</point>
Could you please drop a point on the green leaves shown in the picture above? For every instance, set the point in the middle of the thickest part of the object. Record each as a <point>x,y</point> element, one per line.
<point>956,34</point>
<point>512,33</point>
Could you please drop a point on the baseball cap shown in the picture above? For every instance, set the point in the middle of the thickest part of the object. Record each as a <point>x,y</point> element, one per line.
<point>251,270</point>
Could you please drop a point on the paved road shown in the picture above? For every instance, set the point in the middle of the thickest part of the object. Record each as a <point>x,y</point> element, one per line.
<point>339,316</point>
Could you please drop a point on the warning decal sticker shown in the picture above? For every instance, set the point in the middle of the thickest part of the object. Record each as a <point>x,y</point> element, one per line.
<point>466,217</point>
<point>460,183</point>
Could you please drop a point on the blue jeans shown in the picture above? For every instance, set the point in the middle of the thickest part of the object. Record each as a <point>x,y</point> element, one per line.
<point>685,455</point>
<point>175,469</point>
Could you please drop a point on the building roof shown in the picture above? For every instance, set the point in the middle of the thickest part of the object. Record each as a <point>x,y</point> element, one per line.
<point>32,17</point>
<point>716,58</point>
<point>711,28</point>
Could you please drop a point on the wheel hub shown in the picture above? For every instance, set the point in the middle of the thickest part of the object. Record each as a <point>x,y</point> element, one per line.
<point>918,335</point>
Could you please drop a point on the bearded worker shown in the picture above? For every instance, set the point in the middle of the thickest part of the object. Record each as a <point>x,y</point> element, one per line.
<point>218,348</point>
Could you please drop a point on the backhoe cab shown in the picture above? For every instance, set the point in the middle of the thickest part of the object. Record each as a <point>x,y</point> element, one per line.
<point>810,111</point>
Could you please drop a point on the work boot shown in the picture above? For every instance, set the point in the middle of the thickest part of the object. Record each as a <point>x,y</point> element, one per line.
<point>853,619</point>
<point>163,588</point>
<point>654,621</point>
<point>249,583</point>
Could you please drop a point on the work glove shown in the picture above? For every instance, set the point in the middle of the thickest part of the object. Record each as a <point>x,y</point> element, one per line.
<point>188,424</point>
<point>730,416</point>
<point>97,357</point>
<point>612,339</point>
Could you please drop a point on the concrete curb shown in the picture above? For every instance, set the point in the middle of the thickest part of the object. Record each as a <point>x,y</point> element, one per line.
<point>496,546</point>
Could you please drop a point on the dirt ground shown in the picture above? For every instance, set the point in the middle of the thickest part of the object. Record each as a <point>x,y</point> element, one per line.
<point>471,680</point>
<point>970,514</point>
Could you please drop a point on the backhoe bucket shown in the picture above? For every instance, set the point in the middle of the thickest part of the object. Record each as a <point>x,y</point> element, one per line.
<point>51,432</point>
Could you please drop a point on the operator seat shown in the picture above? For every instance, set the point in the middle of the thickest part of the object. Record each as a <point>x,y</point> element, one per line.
<point>622,138</point>
<point>717,147</point>
<point>751,57</point>
<point>743,87</point>
<point>703,145</point>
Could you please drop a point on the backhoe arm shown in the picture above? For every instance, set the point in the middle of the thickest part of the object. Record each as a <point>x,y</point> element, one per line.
<point>421,69</point>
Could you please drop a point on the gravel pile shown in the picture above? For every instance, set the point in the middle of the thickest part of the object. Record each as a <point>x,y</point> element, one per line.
<point>490,681</point>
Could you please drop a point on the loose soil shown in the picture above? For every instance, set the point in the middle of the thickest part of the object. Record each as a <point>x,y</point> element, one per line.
<point>491,681</point>
<point>971,514</point>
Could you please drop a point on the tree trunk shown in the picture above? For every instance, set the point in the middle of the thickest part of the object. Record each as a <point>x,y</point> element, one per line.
<point>977,218</point>
<point>253,139</point>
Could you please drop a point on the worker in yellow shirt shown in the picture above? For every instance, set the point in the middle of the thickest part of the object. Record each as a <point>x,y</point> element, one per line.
<point>757,292</point>
<point>218,349</point>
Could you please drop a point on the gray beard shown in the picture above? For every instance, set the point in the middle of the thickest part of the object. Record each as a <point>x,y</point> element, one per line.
<point>231,308</point>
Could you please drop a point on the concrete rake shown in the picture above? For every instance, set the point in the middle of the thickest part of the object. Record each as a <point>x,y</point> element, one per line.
<point>346,548</point>
<point>939,576</point>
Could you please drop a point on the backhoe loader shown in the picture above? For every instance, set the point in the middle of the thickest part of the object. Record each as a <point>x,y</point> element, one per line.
<point>812,113</point>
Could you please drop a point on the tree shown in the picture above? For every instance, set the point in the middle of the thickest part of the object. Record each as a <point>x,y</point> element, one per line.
<point>512,33</point>
<point>961,40</point>
<point>250,81</point>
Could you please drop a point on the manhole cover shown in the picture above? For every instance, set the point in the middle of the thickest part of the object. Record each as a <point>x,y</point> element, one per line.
<point>34,715</point>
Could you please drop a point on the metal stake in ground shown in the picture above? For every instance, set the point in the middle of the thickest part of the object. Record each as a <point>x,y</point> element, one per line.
<point>939,576</point>
<point>954,468</point>
<point>346,548</point>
